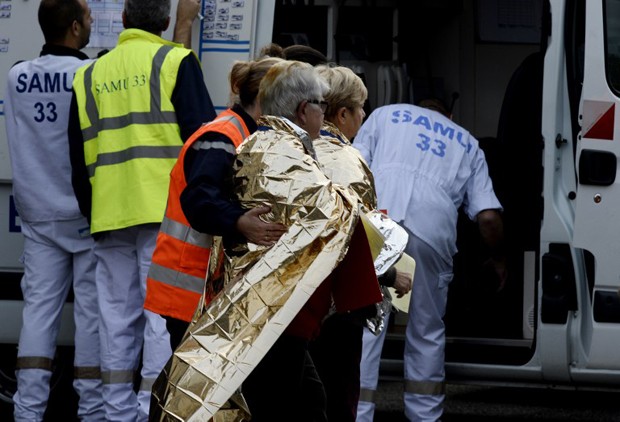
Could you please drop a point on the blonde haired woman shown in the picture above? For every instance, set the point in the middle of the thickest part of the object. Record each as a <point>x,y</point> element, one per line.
<point>338,350</point>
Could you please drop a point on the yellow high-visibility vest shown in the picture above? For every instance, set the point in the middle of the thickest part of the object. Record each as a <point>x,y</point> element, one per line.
<point>130,130</point>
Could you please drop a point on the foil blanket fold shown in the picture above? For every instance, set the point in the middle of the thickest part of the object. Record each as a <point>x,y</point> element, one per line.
<point>264,288</point>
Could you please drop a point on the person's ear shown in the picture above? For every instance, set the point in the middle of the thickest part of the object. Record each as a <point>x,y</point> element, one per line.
<point>301,112</point>
<point>167,24</point>
<point>75,28</point>
<point>341,114</point>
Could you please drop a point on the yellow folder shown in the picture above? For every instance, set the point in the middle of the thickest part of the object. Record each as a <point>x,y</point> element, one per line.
<point>406,264</point>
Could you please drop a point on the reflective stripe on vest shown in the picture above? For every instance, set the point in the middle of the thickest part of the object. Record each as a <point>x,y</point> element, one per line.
<point>176,278</point>
<point>128,122</point>
<point>185,233</point>
<point>154,116</point>
<point>133,153</point>
<point>236,122</point>
<point>215,145</point>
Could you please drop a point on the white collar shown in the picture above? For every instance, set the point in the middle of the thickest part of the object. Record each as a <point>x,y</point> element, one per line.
<point>298,130</point>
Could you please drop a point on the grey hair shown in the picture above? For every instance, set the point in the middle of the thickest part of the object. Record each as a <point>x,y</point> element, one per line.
<point>286,85</point>
<point>147,15</point>
<point>346,89</point>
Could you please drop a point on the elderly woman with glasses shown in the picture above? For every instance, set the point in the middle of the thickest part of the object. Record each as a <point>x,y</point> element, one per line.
<point>256,331</point>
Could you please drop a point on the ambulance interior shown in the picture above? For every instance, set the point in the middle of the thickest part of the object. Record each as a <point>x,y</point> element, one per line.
<point>484,59</point>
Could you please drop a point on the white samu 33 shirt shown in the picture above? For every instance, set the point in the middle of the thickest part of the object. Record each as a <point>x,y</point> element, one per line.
<point>425,167</point>
<point>38,97</point>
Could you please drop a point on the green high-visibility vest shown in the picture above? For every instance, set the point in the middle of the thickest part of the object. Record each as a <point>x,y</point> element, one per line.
<point>130,130</point>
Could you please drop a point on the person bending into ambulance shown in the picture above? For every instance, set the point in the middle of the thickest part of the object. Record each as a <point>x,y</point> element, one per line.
<point>426,167</point>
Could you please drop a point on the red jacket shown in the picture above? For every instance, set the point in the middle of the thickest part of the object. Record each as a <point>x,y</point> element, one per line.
<point>352,285</point>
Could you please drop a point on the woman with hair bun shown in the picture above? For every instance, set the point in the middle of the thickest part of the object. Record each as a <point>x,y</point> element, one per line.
<point>200,204</point>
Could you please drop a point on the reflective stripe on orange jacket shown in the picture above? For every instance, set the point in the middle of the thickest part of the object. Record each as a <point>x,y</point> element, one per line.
<point>176,278</point>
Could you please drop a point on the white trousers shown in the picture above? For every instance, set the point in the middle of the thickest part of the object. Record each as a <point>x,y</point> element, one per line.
<point>124,257</point>
<point>56,255</point>
<point>424,343</point>
<point>426,334</point>
<point>369,372</point>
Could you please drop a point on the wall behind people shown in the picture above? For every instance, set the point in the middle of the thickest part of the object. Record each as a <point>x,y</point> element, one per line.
<point>17,44</point>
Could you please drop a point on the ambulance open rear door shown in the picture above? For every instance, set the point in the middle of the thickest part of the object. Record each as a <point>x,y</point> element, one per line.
<point>597,211</point>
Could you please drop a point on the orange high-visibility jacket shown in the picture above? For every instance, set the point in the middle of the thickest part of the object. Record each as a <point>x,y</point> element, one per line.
<point>177,274</point>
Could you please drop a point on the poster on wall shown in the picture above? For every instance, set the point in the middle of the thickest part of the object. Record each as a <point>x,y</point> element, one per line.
<point>107,22</point>
<point>226,33</point>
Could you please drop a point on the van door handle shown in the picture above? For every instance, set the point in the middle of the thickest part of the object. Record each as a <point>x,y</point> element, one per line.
<point>597,167</point>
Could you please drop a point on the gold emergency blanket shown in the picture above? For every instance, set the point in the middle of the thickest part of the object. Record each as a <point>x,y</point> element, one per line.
<point>344,165</point>
<point>264,288</point>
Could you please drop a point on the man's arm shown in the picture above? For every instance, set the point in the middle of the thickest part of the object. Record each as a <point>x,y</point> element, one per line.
<point>206,199</point>
<point>491,229</point>
<point>399,280</point>
<point>207,203</point>
<point>190,98</point>
<point>187,10</point>
<point>79,172</point>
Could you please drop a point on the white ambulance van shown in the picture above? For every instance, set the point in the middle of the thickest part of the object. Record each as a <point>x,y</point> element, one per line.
<point>536,81</point>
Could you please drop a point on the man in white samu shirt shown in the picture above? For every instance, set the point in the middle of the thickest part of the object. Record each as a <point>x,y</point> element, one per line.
<point>425,167</point>
<point>58,248</point>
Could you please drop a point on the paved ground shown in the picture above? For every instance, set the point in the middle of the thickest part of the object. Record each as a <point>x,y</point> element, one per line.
<point>464,404</point>
<point>486,404</point>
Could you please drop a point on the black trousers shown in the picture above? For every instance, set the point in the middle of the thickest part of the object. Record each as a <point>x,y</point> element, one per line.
<point>176,328</point>
<point>285,386</point>
<point>337,353</point>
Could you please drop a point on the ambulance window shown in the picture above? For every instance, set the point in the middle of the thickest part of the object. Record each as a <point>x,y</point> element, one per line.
<point>612,21</point>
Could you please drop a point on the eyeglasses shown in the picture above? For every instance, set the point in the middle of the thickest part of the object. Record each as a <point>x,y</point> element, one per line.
<point>320,103</point>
